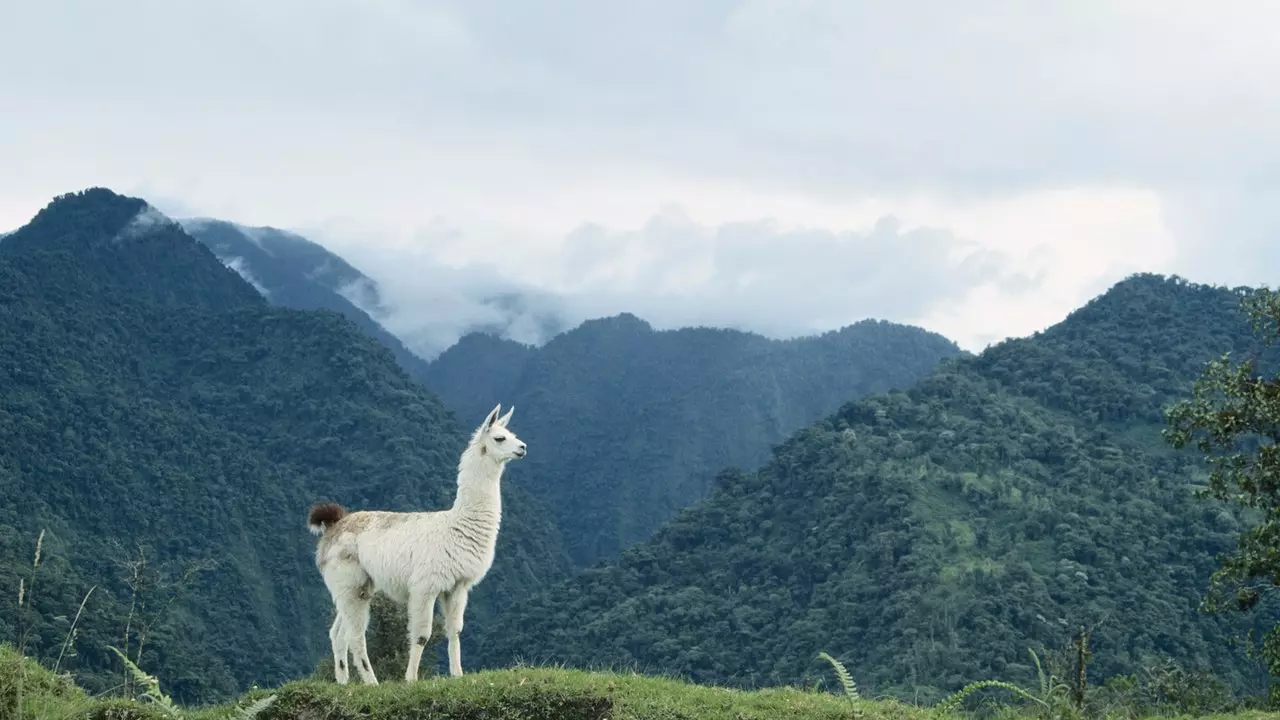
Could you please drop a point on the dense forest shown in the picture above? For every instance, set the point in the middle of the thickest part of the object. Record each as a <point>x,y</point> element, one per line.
<point>166,429</point>
<point>928,538</point>
<point>632,424</point>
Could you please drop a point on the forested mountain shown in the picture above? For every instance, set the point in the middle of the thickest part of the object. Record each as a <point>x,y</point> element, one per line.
<point>154,407</point>
<point>293,272</point>
<point>928,538</point>
<point>679,405</point>
<point>633,424</point>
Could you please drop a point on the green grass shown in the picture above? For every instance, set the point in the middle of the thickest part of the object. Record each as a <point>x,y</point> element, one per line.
<point>524,693</point>
<point>536,693</point>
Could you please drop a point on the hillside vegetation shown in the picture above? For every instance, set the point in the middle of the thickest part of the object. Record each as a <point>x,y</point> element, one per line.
<point>932,536</point>
<point>633,424</point>
<point>166,429</point>
<point>680,404</point>
<point>291,271</point>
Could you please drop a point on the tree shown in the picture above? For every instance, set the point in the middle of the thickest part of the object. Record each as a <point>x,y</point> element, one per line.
<point>1233,417</point>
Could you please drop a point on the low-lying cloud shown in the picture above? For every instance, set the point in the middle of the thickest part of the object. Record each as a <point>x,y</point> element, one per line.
<point>674,272</point>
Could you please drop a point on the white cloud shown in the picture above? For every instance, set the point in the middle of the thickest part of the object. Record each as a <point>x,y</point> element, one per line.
<point>242,269</point>
<point>1072,141</point>
<point>146,219</point>
<point>1040,256</point>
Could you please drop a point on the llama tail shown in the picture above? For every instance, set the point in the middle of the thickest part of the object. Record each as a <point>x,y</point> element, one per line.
<point>324,516</point>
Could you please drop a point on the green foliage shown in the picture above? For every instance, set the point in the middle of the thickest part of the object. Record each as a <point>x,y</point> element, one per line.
<point>152,693</point>
<point>937,533</point>
<point>523,693</point>
<point>296,273</point>
<point>1050,702</point>
<point>846,680</point>
<point>170,429</point>
<point>28,690</point>
<point>627,425</point>
<point>1233,418</point>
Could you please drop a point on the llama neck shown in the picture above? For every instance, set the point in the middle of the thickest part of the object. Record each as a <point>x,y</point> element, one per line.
<point>479,498</point>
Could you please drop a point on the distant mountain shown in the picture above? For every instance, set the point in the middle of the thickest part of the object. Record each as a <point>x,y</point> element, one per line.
<point>157,415</point>
<point>670,386</point>
<point>632,424</point>
<point>929,537</point>
<point>293,272</point>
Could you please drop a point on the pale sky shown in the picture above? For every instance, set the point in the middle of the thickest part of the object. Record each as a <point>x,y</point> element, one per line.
<point>786,166</point>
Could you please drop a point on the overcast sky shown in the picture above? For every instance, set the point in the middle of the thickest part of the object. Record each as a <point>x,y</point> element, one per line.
<point>979,168</point>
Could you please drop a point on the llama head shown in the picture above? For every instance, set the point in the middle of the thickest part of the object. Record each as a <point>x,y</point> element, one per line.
<point>495,440</point>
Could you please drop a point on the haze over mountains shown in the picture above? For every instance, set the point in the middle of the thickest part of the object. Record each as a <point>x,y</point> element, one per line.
<point>629,424</point>
<point>293,271</point>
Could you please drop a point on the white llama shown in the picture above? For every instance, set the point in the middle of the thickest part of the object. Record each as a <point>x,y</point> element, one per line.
<point>415,557</point>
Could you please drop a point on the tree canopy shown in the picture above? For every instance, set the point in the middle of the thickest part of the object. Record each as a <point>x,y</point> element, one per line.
<point>631,425</point>
<point>1233,418</point>
<point>929,537</point>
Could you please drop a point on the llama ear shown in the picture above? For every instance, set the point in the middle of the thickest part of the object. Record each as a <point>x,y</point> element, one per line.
<point>502,421</point>
<point>493,416</point>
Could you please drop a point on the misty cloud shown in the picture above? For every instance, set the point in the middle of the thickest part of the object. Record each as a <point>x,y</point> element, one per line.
<point>146,220</point>
<point>674,272</point>
<point>242,269</point>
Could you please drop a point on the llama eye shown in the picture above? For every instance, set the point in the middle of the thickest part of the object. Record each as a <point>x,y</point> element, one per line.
<point>499,439</point>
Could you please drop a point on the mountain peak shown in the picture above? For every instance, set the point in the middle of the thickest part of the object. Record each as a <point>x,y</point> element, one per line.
<point>624,321</point>
<point>84,218</point>
<point>95,239</point>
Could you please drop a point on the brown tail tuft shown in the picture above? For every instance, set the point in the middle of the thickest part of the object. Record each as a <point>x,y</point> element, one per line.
<point>323,516</point>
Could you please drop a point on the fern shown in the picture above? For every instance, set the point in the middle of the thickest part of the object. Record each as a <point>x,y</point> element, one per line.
<point>1044,679</point>
<point>846,680</point>
<point>1049,688</point>
<point>956,699</point>
<point>251,712</point>
<point>152,685</point>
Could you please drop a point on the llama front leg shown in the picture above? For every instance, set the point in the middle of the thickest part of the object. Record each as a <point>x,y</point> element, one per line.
<point>455,606</point>
<point>338,639</point>
<point>422,608</point>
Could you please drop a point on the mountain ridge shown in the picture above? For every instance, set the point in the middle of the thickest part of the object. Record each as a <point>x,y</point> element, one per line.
<point>635,421</point>
<point>928,536</point>
<point>775,384</point>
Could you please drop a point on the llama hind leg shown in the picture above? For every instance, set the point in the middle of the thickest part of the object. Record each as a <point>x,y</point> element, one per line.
<point>338,638</point>
<point>422,609</point>
<point>455,606</point>
<point>356,626</point>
